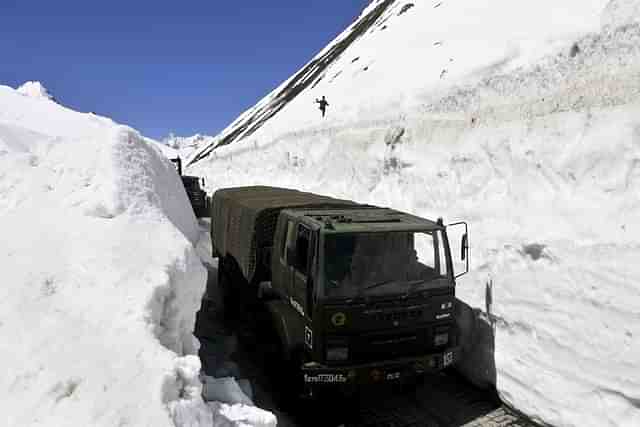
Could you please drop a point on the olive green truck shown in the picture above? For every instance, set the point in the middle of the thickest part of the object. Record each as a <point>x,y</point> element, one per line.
<point>197,196</point>
<point>354,294</point>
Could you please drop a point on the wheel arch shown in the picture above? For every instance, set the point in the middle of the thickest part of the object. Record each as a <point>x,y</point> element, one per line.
<point>289,328</point>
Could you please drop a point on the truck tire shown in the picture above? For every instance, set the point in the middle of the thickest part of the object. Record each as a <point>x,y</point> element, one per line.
<point>284,370</point>
<point>230,309</point>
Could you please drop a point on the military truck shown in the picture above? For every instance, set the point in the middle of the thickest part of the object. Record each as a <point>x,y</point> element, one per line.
<point>200,202</point>
<point>349,294</point>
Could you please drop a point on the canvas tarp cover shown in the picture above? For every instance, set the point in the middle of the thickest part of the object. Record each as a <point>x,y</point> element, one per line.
<point>243,219</point>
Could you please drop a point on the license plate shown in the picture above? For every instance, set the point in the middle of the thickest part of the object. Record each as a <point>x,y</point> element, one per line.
<point>447,359</point>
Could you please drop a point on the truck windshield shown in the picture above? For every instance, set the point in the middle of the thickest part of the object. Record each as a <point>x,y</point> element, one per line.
<point>382,263</point>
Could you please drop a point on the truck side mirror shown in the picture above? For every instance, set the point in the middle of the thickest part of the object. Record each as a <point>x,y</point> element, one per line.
<point>266,257</point>
<point>464,247</point>
<point>203,182</point>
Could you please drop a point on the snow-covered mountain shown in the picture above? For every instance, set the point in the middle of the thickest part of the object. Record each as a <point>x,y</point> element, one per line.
<point>522,118</point>
<point>100,275</point>
<point>186,146</point>
<point>402,56</point>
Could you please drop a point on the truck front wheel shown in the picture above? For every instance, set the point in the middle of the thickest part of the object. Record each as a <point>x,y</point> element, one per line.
<point>283,368</point>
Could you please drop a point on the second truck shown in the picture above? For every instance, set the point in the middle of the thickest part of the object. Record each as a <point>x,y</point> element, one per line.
<point>197,196</point>
<point>347,294</point>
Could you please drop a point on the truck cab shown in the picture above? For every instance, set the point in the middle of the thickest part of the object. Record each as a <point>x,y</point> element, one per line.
<point>366,294</point>
<point>197,196</point>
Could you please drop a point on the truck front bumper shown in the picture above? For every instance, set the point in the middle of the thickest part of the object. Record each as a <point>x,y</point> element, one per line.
<point>388,371</point>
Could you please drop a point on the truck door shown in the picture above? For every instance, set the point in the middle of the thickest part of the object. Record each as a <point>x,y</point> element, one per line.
<point>297,256</point>
<point>285,278</point>
<point>301,270</point>
<point>297,260</point>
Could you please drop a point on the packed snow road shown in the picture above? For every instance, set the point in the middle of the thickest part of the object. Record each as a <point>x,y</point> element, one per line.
<point>442,400</point>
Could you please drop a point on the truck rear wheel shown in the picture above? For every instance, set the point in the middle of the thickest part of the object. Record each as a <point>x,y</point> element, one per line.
<point>229,298</point>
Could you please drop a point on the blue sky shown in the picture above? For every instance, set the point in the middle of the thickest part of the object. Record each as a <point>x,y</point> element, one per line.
<point>164,66</point>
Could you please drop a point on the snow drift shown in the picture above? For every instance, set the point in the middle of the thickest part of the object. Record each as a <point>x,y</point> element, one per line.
<point>523,119</point>
<point>100,276</point>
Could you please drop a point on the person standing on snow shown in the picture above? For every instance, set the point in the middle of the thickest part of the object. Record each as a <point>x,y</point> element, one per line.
<point>323,104</point>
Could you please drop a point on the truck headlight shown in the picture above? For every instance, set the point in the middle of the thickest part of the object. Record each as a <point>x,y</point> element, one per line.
<point>337,350</point>
<point>446,305</point>
<point>441,337</point>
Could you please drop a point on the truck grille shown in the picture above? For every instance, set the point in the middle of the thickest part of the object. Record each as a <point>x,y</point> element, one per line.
<point>196,198</point>
<point>394,339</point>
<point>398,315</point>
<point>390,344</point>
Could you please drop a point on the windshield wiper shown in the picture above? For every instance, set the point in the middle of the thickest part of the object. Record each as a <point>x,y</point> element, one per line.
<point>375,285</point>
<point>412,285</point>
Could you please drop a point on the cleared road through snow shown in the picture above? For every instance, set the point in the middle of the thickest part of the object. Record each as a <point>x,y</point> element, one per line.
<point>444,400</point>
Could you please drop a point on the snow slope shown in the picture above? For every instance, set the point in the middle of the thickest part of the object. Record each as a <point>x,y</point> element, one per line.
<point>101,279</point>
<point>531,133</point>
<point>398,51</point>
<point>168,151</point>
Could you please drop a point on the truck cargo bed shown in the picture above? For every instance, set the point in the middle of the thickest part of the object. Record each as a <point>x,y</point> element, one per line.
<point>243,219</point>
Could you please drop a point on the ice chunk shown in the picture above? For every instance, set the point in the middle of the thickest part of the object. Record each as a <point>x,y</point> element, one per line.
<point>240,415</point>
<point>225,390</point>
<point>245,385</point>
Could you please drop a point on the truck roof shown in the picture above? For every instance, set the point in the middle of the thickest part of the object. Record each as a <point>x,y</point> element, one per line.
<point>243,219</point>
<point>365,218</point>
<point>258,198</point>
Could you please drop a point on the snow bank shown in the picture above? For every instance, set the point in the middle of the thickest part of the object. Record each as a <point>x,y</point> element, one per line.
<point>532,135</point>
<point>233,408</point>
<point>100,276</point>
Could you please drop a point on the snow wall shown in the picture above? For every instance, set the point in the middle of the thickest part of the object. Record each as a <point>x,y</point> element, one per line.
<point>100,277</point>
<point>532,136</point>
